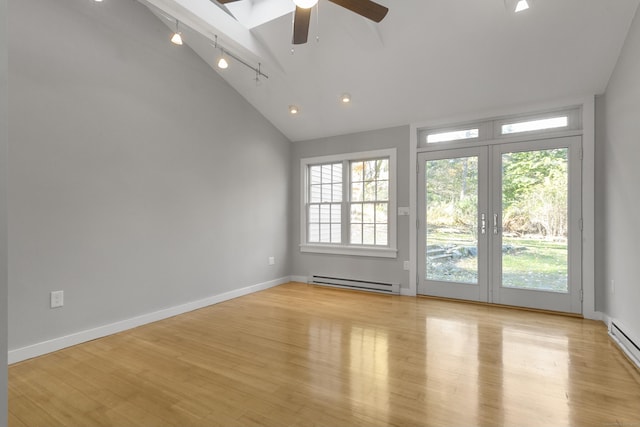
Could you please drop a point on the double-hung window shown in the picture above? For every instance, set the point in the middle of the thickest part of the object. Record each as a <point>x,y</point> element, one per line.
<point>348,204</point>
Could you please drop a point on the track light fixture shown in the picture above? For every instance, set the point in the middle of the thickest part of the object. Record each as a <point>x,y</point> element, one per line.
<point>222,62</point>
<point>177,36</point>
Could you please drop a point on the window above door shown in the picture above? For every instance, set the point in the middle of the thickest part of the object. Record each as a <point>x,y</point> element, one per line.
<point>528,125</point>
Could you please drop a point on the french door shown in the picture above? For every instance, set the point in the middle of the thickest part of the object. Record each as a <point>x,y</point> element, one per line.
<point>502,224</point>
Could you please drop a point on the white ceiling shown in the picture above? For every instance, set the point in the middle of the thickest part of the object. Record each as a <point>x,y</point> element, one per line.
<point>428,59</point>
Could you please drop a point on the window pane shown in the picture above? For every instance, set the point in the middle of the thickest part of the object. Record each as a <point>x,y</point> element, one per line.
<point>315,172</point>
<point>370,170</point>
<point>531,125</point>
<point>327,174</point>
<point>325,233</point>
<point>370,191</point>
<point>356,234</point>
<point>357,169</point>
<point>336,214</point>
<point>383,169</point>
<point>356,192</point>
<point>336,233</point>
<point>381,213</point>
<point>356,213</point>
<point>314,233</point>
<point>381,235</point>
<point>453,136</point>
<point>383,191</point>
<point>326,193</point>
<point>368,234</point>
<point>325,213</point>
<point>368,210</point>
<point>314,213</point>
<point>337,193</point>
<point>315,194</point>
<point>337,172</point>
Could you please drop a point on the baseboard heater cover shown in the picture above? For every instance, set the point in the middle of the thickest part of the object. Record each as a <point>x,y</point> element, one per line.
<point>355,284</point>
<point>628,345</point>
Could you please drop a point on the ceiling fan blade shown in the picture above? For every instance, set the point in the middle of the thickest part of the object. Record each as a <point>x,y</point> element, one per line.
<point>366,8</point>
<point>301,21</point>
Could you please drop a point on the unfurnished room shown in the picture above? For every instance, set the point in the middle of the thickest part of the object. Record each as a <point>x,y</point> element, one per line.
<point>319,213</point>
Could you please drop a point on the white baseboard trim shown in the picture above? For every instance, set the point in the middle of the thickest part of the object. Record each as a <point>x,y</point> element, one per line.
<point>301,279</point>
<point>59,343</point>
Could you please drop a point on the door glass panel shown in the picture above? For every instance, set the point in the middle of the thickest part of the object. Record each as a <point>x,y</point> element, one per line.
<point>535,216</point>
<point>451,219</point>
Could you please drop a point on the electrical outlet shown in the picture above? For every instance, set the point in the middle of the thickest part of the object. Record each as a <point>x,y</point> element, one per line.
<point>57,299</point>
<point>272,260</point>
<point>405,265</point>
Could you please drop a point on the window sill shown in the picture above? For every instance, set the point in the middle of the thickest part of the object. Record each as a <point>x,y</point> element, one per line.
<point>350,250</point>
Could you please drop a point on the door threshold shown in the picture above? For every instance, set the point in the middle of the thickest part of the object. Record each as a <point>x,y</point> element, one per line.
<point>513,307</point>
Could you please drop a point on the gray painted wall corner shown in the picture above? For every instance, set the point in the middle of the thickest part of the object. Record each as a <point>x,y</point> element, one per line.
<point>619,182</point>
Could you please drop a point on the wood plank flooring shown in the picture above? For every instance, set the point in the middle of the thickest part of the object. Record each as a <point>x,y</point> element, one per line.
<point>298,355</point>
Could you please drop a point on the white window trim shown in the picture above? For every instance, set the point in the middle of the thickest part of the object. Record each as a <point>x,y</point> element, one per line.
<point>390,251</point>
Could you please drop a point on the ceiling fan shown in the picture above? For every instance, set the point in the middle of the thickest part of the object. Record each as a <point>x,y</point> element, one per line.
<point>302,17</point>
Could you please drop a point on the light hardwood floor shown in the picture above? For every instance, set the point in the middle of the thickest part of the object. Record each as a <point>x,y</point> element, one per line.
<point>298,355</point>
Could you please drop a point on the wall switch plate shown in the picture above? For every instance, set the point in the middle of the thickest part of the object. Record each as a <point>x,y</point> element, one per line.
<point>403,211</point>
<point>272,260</point>
<point>57,299</point>
<point>405,265</point>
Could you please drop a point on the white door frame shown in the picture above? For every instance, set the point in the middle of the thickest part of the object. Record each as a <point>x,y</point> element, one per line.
<point>587,106</point>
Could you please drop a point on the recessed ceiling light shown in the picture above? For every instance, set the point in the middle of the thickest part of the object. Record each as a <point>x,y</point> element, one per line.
<point>293,109</point>
<point>522,5</point>
<point>345,98</point>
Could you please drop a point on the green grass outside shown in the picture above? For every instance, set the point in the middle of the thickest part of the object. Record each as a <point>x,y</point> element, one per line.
<point>531,263</point>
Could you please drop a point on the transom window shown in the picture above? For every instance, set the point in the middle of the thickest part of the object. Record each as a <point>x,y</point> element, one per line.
<point>347,204</point>
<point>504,128</point>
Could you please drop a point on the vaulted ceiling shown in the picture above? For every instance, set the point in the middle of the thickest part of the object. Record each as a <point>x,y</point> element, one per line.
<point>428,59</point>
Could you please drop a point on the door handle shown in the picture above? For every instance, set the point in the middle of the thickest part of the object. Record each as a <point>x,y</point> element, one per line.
<point>483,224</point>
<point>495,223</point>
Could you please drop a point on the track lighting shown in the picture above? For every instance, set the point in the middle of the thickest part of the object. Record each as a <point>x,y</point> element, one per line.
<point>305,4</point>
<point>177,36</point>
<point>522,5</point>
<point>222,62</point>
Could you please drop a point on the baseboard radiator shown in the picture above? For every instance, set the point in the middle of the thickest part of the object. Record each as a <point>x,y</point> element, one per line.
<point>359,285</point>
<point>628,345</point>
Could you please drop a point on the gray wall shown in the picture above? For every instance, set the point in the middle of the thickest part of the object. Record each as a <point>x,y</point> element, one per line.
<point>618,178</point>
<point>139,179</point>
<point>3,212</point>
<point>600,235</point>
<point>384,269</point>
